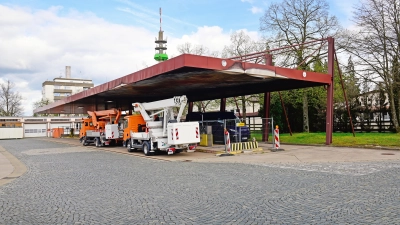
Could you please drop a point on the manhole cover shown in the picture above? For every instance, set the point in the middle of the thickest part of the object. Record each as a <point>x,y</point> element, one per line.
<point>387,153</point>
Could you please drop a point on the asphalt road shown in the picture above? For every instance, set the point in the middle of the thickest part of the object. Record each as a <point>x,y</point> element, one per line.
<point>67,184</point>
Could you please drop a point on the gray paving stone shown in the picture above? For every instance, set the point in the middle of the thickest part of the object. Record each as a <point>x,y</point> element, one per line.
<point>78,185</point>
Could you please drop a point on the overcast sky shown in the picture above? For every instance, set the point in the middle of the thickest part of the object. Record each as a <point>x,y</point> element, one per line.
<point>106,39</point>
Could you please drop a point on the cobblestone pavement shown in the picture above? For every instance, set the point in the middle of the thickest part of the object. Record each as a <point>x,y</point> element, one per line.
<point>78,185</point>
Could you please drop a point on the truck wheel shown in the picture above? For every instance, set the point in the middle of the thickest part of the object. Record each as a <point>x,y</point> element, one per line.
<point>84,143</point>
<point>146,148</point>
<point>128,146</point>
<point>97,142</point>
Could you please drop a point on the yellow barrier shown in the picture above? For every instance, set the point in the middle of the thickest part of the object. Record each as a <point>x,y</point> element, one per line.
<point>238,147</point>
<point>206,140</point>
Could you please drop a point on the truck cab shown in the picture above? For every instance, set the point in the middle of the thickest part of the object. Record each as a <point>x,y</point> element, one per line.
<point>86,125</point>
<point>134,123</point>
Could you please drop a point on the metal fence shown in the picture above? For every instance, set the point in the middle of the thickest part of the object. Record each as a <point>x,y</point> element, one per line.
<point>365,126</point>
<point>68,129</point>
<point>238,131</point>
<point>216,128</point>
<point>263,130</point>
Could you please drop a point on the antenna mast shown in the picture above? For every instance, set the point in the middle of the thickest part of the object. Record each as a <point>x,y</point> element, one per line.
<point>160,56</point>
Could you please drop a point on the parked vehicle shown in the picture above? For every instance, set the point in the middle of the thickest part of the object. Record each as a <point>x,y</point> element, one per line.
<point>101,128</point>
<point>216,121</point>
<point>157,129</point>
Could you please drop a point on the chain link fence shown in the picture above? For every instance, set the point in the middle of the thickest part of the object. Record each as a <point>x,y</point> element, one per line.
<point>262,131</point>
<point>238,131</point>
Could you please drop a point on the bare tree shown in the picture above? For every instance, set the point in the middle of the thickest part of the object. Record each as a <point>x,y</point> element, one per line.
<point>293,22</point>
<point>190,48</point>
<point>41,103</point>
<point>376,46</point>
<point>242,44</point>
<point>10,101</point>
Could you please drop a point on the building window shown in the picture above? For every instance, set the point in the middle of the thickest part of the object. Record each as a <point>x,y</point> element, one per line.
<point>56,87</point>
<point>85,88</point>
<point>56,94</point>
<point>33,131</point>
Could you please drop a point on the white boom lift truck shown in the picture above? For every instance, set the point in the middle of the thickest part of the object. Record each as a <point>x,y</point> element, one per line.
<point>162,131</point>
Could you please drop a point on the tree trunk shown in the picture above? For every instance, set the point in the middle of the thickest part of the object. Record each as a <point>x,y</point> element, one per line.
<point>306,127</point>
<point>244,108</point>
<point>393,111</point>
<point>398,106</point>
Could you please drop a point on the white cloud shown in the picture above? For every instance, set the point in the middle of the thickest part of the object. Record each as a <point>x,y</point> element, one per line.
<point>256,10</point>
<point>37,45</point>
<point>249,1</point>
<point>343,9</point>
<point>214,38</point>
<point>211,37</point>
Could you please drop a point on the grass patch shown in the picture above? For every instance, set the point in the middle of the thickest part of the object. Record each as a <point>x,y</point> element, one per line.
<point>340,139</point>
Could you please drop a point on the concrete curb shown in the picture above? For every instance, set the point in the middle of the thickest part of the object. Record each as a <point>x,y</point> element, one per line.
<point>19,167</point>
<point>372,147</point>
<point>208,151</point>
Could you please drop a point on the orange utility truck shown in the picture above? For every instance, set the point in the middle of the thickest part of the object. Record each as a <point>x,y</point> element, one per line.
<point>101,128</point>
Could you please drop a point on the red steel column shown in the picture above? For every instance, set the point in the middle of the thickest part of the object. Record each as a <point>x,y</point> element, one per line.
<point>267,103</point>
<point>190,109</point>
<point>222,106</point>
<point>329,97</point>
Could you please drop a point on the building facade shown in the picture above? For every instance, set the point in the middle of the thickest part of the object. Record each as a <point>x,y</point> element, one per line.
<point>60,87</point>
<point>24,127</point>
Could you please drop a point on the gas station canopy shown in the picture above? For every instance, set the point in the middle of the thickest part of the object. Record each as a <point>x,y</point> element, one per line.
<point>197,77</point>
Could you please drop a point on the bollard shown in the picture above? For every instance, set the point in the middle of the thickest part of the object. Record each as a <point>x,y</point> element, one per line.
<point>228,142</point>
<point>277,142</point>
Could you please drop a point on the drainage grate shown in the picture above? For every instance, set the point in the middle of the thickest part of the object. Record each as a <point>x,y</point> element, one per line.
<point>386,153</point>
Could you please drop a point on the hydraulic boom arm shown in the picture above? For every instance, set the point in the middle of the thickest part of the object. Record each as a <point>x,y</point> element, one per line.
<point>96,116</point>
<point>166,105</point>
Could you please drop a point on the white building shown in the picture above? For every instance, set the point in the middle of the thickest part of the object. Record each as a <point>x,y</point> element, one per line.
<point>371,99</point>
<point>23,127</point>
<point>60,88</point>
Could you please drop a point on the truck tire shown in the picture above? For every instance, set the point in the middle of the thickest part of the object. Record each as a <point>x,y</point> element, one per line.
<point>146,148</point>
<point>128,146</point>
<point>97,142</point>
<point>84,143</point>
